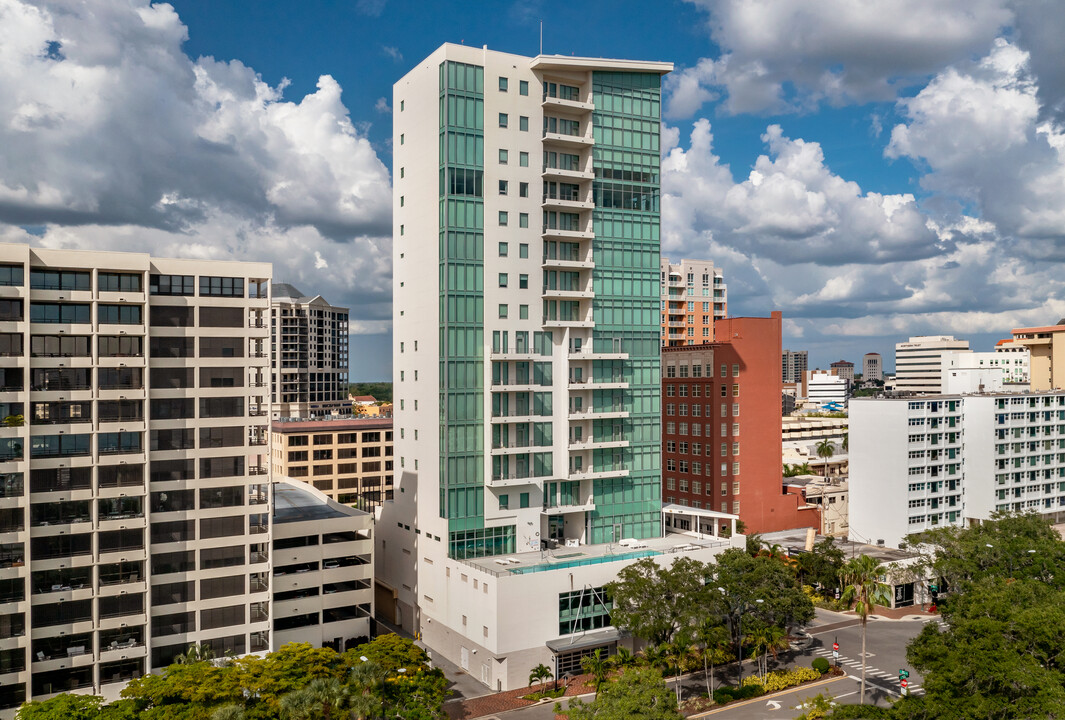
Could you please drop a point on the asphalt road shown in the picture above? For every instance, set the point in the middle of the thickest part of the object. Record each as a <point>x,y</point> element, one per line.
<point>885,653</point>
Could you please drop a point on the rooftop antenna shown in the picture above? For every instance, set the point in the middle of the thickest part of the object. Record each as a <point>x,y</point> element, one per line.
<point>541,37</point>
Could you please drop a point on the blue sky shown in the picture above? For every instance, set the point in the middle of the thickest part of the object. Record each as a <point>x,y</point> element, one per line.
<point>874,169</point>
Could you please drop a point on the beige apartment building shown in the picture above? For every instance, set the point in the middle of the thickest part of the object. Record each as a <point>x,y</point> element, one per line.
<point>134,482</point>
<point>693,296</point>
<point>349,459</point>
<point>1046,346</point>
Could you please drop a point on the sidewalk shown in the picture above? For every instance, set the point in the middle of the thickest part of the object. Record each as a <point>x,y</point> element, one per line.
<point>914,612</point>
<point>510,700</point>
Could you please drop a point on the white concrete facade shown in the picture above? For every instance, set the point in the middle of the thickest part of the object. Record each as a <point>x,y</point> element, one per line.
<point>872,367</point>
<point>952,459</point>
<point>966,373</point>
<point>919,362</point>
<point>823,387</point>
<point>479,326</point>
<point>135,486</point>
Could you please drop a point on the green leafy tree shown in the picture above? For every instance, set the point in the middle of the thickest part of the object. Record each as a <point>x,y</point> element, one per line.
<point>232,711</point>
<point>821,566</point>
<point>541,674</point>
<point>765,639</point>
<point>653,602</point>
<point>1000,656</point>
<point>863,587</point>
<point>679,653</point>
<point>756,589</point>
<point>825,450</point>
<point>62,707</point>
<point>637,694</point>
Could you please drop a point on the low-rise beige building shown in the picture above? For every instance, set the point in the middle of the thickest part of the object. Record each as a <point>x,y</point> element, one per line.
<point>348,459</point>
<point>1046,346</point>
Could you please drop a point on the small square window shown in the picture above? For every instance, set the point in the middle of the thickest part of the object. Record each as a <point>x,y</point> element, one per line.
<point>523,87</point>
<point>401,230</point>
<point>504,502</point>
<point>523,159</point>
<point>523,220</point>
<point>502,279</point>
<point>504,156</point>
<point>503,84</point>
<point>503,186</point>
<point>503,248</point>
<point>401,138</point>
<point>523,281</point>
<point>523,499</point>
<point>523,190</point>
<point>503,311</point>
<point>523,250</point>
<point>503,120</point>
<point>402,172</point>
<point>523,123</point>
<point>523,312</point>
<point>401,200</point>
<point>503,217</point>
<point>401,103</point>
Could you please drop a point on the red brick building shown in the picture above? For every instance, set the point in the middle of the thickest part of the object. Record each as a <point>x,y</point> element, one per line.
<point>721,431</point>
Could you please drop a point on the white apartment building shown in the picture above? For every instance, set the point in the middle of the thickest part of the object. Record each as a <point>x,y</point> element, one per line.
<point>966,373</point>
<point>823,387</point>
<point>919,362</point>
<point>308,355</point>
<point>322,569</point>
<point>526,314</point>
<point>694,294</point>
<point>793,365</point>
<point>134,484</point>
<point>920,463</point>
<point>872,367</point>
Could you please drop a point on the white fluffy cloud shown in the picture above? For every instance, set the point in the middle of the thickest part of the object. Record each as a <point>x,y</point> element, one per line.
<point>113,137</point>
<point>832,50</point>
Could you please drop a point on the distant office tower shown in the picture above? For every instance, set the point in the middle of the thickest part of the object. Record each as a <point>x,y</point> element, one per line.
<point>526,315</point>
<point>693,296</point>
<point>1047,348</point>
<point>844,369</point>
<point>872,367</point>
<point>309,355</point>
<point>348,460</point>
<point>793,365</point>
<point>825,387</point>
<point>134,484</point>
<point>708,462</point>
<point>919,362</point>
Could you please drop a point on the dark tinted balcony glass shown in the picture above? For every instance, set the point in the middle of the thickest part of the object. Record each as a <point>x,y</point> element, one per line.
<point>52,379</point>
<point>221,347</point>
<point>229,586</point>
<point>172,347</point>
<point>10,345</point>
<point>121,346</point>
<point>121,378</point>
<point>221,527</point>
<point>172,285</point>
<point>60,413</point>
<point>168,470</point>
<point>60,280</point>
<point>222,437</point>
<point>11,310</point>
<point>48,581</point>
<point>63,646</point>
<point>171,378</point>
<point>221,286</point>
<point>173,501</point>
<point>171,316</point>
<point>119,443</point>
<point>48,446</point>
<point>41,312</point>
<point>10,379</point>
<point>222,497</point>
<point>120,508</point>
<point>120,573</point>
<point>221,317</point>
<point>119,314</point>
<point>222,617</point>
<point>222,557</point>
<point>120,605</point>
<point>175,562</point>
<point>61,546</point>
<point>175,531</point>
<point>221,467</point>
<point>60,346</point>
<point>59,513</point>
<point>58,681</point>
<point>120,410</point>
<point>221,377</point>
<point>177,439</point>
<point>223,407</point>
<point>119,282</point>
<point>60,479</point>
<point>173,409</point>
<point>12,275</point>
<point>172,593</point>
<point>63,613</point>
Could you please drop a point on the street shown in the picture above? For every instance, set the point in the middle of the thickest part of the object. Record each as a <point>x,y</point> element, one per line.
<point>886,654</point>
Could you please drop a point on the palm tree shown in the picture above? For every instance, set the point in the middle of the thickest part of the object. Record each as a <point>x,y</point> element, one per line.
<point>678,652</point>
<point>321,697</point>
<point>825,450</point>
<point>861,576</point>
<point>714,641</point>
<point>541,674</point>
<point>195,654</point>
<point>846,444</point>
<point>596,666</point>
<point>623,659</point>
<point>231,711</point>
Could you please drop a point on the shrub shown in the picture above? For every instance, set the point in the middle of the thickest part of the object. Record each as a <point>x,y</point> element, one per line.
<point>820,665</point>
<point>781,679</point>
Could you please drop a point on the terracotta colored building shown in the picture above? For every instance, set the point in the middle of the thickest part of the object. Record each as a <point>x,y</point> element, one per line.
<point>721,438</point>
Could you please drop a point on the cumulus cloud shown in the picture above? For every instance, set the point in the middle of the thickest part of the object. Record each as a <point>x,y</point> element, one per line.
<point>780,55</point>
<point>791,206</point>
<point>978,129</point>
<point>392,52</point>
<point>114,138</point>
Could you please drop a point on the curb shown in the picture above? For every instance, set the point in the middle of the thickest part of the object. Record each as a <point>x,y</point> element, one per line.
<point>768,696</point>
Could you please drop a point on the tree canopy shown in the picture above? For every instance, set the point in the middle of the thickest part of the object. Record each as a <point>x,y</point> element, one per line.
<point>297,681</point>
<point>653,602</point>
<point>636,694</point>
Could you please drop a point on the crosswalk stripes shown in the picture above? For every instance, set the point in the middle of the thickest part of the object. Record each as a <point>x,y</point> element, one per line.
<point>873,673</point>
